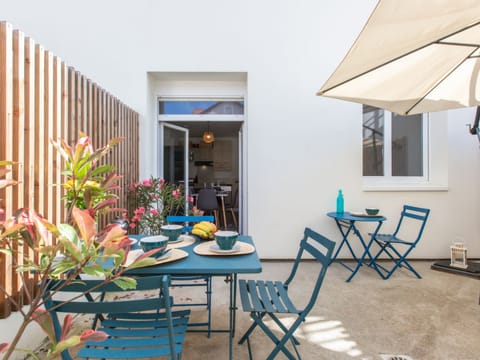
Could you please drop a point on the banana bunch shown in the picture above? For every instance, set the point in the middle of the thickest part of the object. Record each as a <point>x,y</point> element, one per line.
<point>204,230</point>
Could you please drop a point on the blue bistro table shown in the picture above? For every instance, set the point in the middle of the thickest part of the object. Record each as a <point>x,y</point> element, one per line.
<point>194,264</point>
<point>346,224</point>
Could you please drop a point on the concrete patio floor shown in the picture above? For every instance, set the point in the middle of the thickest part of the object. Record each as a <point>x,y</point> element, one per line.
<point>437,317</point>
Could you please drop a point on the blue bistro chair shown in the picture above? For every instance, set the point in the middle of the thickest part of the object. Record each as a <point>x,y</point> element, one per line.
<point>137,328</point>
<point>195,280</point>
<point>266,297</point>
<point>399,245</point>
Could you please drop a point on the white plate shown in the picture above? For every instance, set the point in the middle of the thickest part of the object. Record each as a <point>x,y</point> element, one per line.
<point>180,238</point>
<point>215,248</point>
<point>164,256</point>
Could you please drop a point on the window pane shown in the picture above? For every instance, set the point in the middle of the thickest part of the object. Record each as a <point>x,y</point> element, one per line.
<point>173,155</point>
<point>373,141</point>
<point>407,156</point>
<point>199,107</point>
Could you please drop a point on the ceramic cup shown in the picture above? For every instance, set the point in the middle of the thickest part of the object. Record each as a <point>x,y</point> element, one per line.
<point>172,231</point>
<point>154,242</point>
<point>226,239</point>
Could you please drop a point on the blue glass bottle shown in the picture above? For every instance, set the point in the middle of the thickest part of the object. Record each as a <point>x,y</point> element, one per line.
<point>340,202</point>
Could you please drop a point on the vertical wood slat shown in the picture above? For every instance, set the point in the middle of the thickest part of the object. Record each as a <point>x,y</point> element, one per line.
<point>64,118</point>
<point>18,144</point>
<point>56,133</point>
<point>6,91</point>
<point>29,166</point>
<point>39,185</point>
<point>48,134</point>
<point>43,98</point>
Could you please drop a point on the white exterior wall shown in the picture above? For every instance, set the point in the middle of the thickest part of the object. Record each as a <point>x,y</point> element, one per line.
<point>300,148</point>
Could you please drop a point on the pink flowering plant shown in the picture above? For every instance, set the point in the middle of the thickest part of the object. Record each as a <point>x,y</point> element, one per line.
<point>153,200</point>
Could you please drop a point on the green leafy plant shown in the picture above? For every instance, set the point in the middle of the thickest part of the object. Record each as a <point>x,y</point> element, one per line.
<point>89,184</point>
<point>67,250</point>
<point>153,200</point>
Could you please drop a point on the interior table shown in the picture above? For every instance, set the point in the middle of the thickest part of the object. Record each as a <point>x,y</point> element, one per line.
<point>346,224</point>
<point>229,266</point>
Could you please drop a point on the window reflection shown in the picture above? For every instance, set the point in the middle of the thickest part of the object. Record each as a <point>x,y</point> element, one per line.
<point>200,107</point>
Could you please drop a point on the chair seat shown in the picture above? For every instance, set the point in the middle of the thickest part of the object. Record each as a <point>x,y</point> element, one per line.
<point>396,249</point>
<point>265,296</point>
<point>391,238</point>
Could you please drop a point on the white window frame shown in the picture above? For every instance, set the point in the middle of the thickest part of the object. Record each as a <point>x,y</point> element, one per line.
<point>200,117</point>
<point>389,182</point>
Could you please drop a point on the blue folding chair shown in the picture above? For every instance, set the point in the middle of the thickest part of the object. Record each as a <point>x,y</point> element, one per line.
<point>195,280</point>
<point>396,246</point>
<point>261,298</point>
<point>137,327</point>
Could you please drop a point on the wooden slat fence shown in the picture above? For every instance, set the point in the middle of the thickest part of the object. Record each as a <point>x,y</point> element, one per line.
<point>43,98</point>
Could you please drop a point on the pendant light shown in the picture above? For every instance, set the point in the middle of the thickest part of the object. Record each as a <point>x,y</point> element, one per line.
<point>208,136</point>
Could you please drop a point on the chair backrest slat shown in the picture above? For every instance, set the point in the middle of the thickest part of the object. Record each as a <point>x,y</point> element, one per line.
<point>188,220</point>
<point>88,307</point>
<point>321,249</point>
<point>416,213</point>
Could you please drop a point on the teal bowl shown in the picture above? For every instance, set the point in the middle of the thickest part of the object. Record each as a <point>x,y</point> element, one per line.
<point>371,211</point>
<point>171,231</point>
<point>154,242</point>
<point>226,239</point>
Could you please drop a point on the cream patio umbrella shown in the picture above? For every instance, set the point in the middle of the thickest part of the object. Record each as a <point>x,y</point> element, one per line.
<point>413,56</point>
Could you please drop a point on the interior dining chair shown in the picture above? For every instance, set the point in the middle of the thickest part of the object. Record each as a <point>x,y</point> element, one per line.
<point>143,327</point>
<point>233,209</point>
<point>398,245</point>
<point>267,297</point>
<point>194,280</point>
<point>207,201</point>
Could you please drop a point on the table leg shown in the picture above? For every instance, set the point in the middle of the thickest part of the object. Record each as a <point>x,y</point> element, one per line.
<point>222,201</point>
<point>232,313</point>
<point>367,250</point>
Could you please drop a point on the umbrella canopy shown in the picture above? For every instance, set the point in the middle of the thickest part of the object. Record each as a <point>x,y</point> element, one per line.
<point>413,56</point>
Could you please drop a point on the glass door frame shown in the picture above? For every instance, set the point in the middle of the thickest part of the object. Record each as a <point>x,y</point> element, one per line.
<point>161,162</point>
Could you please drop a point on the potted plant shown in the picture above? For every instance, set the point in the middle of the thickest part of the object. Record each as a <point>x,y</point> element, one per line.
<point>81,246</point>
<point>153,200</point>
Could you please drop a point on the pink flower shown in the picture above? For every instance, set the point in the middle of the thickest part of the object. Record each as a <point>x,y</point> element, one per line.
<point>3,347</point>
<point>148,182</point>
<point>190,199</point>
<point>132,187</point>
<point>139,211</point>
<point>136,218</point>
<point>176,193</point>
<point>160,183</point>
<point>133,225</point>
<point>154,212</point>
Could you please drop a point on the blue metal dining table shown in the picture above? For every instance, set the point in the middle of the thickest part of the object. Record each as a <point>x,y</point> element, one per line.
<point>194,264</point>
<point>346,223</point>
